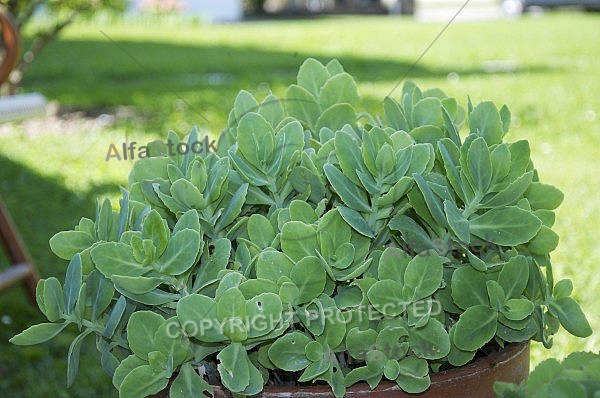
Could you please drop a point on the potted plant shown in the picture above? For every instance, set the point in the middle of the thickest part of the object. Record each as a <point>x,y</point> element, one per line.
<point>318,245</point>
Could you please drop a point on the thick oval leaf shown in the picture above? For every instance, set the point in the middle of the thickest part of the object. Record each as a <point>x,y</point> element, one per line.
<point>386,297</point>
<point>518,309</point>
<point>101,292</point>
<point>469,287</point>
<point>197,315</point>
<point>125,367</point>
<point>298,240</point>
<point>39,333</point>
<point>511,194</point>
<point>73,281</point>
<point>141,328</point>
<point>352,196</point>
<point>231,304</point>
<point>485,121</point>
<point>54,301</point>
<point>66,243</point>
<point>506,226</point>
<point>544,242</point>
<point>430,341</point>
<point>73,356</point>
<point>356,221</point>
<point>336,117</point>
<point>475,327</point>
<point>514,276</point>
<point>272,265</point>
<point>233,367</point>
<point>347,149</point>
<point>312,75</point>
<point>571,316</point>
<point>256,139</point>
<point>480,165</point>
<point>302,105</point>
<point>456,356</point>
<point>137,285</point>
<point>496,295</point>
<point>181,252</point>
<point>544,196</point>
<point>112,258</point>
<point>142,382</point>
<point>263,314</point>
<point>289,351</point>
<point>233,209</point>
<point>428,111</point>
<point>423,276</point>
<point>260,230</point>
<point>309,276</point>
<point>188,383</point>
<point>340,88</point>
<point>457,221</point>
<point>413,377</point>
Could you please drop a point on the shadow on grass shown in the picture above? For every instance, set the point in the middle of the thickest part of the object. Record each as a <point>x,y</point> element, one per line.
<point>40,207</point>
<point>96,74</point>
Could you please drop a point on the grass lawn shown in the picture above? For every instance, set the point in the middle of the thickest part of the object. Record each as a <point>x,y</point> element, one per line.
<point>50,175</point>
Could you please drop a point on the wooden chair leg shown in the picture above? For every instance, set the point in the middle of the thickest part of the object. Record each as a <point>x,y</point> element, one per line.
<point>22,268</point>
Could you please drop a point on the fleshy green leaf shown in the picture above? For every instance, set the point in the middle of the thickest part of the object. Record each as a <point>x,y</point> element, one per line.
<point>180,253</point>
<point>414,375</point>
<point>423,276</point>
<point>233,367</point>
<point>518,309</point>
<point>430,341</point>
<point>66,243</point>
<point>312,75</point>
<point>39,333</point>
<point>505,226</point>
<point>73,281</point>
<point>356,221</point>
<point>54,301</point>
<point>571,316</point>
<point>485,121</point>
<point>386,297</point>
<point>353,196</point>
<point>480,165</point>
<point>475,327</point>
<point>544,196</point>
<point>143,381</point>
<point>457,222</point>
<point>340,88</point>
<point>469,288</point>
<point>112,258</point>
<point>514,276</point>
<point>197,315</point>
<point>288,351</point>
<point>141,328</point>
<point>309,275</point>
<point>336,117</point>
<point>298,240</point>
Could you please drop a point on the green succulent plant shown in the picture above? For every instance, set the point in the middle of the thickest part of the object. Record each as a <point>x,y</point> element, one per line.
<point>577,376</point>
<point>319,244</point>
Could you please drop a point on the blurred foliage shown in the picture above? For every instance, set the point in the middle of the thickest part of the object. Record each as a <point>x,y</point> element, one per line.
<point>58,15</point>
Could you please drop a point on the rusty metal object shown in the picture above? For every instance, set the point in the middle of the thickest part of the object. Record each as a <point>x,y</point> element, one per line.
<point>11,43</point>
<point>22,268</point>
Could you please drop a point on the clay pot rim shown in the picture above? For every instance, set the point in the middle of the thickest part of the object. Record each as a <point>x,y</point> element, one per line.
<point>468,371</point>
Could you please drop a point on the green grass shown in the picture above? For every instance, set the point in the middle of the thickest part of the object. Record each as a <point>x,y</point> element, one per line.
<point>51,178</point>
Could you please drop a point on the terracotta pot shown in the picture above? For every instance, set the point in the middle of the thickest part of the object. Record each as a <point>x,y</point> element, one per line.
<point>474,380</point>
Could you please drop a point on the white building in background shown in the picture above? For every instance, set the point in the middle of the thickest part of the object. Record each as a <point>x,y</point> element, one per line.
<point>209,10</point>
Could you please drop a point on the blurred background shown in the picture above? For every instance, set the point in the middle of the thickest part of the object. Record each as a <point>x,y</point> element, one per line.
<point>109,70</point>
